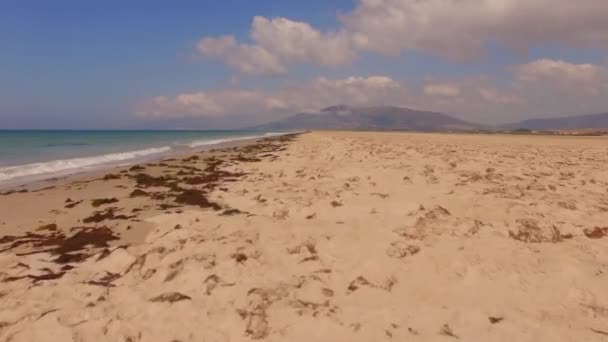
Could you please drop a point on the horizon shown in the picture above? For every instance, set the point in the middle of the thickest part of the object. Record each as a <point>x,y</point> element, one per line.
<point>165,66</point>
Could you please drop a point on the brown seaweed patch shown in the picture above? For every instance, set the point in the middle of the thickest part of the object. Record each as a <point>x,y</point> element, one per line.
<point>357,283</point>
<point>231,212</point>
<point>495,320</point>
<point>102,201</point>
<point>57,243</point>
<point>336,204</point>
<point>596,233</point>
<point>240,258</point>
<point>530,232</point>
<point>185,173</point>
<point>50,227</point>
<point>196,198</point>
<point>191,158</point>
<point>165,206</point>
<point>243,159</point>
<point>145,181</point>
<point>170,297</point>
<point>10,192</point>
<point>73,204</point>
<point>446,330</point>
<point>105,281</point>
<point>111,176</point>
<point>399,250</point>
<point>108,214</point>
<point>138,193</point>
<point>49,275</point>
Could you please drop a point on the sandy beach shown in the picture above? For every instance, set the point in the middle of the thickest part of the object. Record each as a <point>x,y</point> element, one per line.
<point>322,236</point>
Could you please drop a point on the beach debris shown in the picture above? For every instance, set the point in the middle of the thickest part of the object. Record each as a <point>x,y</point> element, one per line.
<point>239,257</point>
<point>73,204</point>
<point>231,212</point>
<point>446,330</point>
<point>495,320</point>
<point>195,198</point>
<point>596,233</point>
<point>530,232</point>
<point>601,332</point>
<point>136,168</point>
<point>399,250</point>
<point>138,193</point>
<point>106,280</point>
<point>175,269</point>
<point>111,176</point>
<point>73,249</point>
<point>108,214</point>
<point>144,180</point>
<point>336,204</point>
<point>309,246</point>
<point>50,227</point>
<point>213,281</point>
<point>10,192</point>
<point>170,297</point>
<point>102,201</point>
<point>48,275</point>
<point>260,300</point>
<point>241,158</point>
<point>191,158</point>
<point>327,292</point>
<point>357,283</point>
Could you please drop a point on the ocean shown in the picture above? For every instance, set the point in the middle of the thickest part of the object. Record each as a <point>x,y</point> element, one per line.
<point>29,155</point>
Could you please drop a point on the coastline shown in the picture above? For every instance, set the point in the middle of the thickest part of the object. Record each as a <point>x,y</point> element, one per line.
<point>43,180</point>
<point>328,236</point>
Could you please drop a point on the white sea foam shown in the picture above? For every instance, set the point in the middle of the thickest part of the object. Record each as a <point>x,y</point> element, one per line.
<point>66,165</point>
<point>27,172</point>
<point>199,143</point>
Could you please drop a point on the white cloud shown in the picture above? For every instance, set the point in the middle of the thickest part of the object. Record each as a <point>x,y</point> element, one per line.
<point>276,43</point>
<point>555,86</point>
<point>456,29</point>
<point>460,28</point>
<point>580,79</point>
<point>210,104</point>
<point>540,88</point>
<point>442,89</point>
<point>249,59</point>
<point>319,93</point>
<point>495,96</point>
<point>296,41</point>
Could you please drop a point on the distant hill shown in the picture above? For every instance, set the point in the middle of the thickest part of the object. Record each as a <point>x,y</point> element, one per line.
<point>344,117</point>
<point>562,123</point>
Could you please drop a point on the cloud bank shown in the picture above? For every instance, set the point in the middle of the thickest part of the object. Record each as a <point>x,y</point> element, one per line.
<point>455,29</point>
<point>578,88</point>
<point>276,43</point>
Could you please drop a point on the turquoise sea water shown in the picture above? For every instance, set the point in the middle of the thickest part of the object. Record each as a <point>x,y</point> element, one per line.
<point>27,155</point>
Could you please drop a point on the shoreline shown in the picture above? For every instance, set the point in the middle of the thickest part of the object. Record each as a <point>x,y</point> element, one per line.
<point>41,181</point>
<point>153,187</point>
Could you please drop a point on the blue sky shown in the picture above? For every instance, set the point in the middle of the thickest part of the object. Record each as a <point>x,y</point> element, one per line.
<point>84,64</point>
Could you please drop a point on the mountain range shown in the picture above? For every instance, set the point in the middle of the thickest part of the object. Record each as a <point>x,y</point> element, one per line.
<point>563,123</point>
<point>343,117</point>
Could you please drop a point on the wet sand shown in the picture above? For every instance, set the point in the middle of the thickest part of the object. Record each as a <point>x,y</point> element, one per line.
<point>324,236</point>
